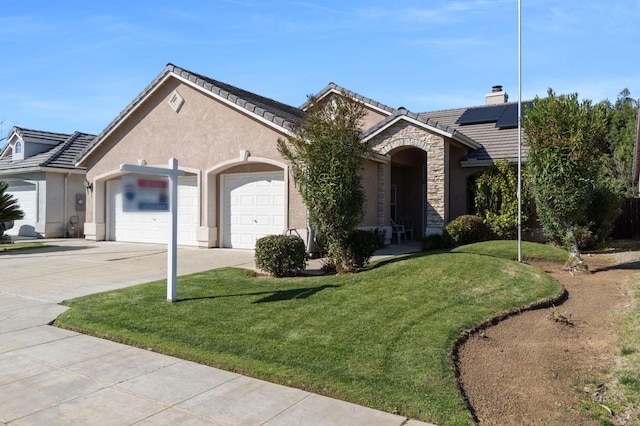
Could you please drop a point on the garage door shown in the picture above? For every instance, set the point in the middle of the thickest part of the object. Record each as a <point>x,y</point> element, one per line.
<point>152,227</point>
<point>27,197</point>
<point>253,207</point>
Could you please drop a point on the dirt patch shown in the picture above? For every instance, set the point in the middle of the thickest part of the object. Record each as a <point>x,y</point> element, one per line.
<point>546,366</point>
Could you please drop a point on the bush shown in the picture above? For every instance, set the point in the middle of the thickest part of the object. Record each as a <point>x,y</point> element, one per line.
<point>466,229</point>
<point>281,255</point>
<point>496,199</point>
<point>360,247</point>
<point>381,233</point>
<point>434,242</point>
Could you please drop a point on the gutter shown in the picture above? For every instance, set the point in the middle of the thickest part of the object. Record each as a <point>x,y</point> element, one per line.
<point>487,163</point>
<point>466,140</point>
<point>42,169</point>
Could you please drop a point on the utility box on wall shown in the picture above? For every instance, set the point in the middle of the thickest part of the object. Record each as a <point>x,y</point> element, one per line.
<point>81,200</point>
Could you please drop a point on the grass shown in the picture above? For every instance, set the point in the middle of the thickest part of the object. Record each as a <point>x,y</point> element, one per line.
<point>509,250</point>
<point>625,385</point>
<point>380,338</point>
<point>22,246</point>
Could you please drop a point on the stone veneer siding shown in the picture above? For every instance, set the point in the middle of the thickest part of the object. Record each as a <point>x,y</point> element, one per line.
<point>407,134</point>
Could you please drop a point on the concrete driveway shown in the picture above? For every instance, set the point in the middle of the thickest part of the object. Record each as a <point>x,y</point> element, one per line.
<point>58,377</point>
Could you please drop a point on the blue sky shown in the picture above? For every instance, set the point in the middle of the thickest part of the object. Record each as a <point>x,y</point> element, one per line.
<point>74,65</point>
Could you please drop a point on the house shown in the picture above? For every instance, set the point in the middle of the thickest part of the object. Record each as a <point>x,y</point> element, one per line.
<point>237,187</point>
<point>49,188</point>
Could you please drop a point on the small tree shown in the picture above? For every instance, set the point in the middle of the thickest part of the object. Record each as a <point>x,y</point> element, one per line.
<point>9,209</point>
<point>326,152</point>
<point>566,139</point>
<point>496,199</point>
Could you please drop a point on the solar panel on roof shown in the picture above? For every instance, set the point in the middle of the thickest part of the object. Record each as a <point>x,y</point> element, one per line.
<point>481,115</point>
<point>509,119</point>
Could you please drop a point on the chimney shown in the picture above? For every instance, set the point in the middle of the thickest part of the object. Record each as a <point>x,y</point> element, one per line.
<point>497,96</point>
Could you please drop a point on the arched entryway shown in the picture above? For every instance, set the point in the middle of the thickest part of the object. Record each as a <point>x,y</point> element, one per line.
<point>409,188</point>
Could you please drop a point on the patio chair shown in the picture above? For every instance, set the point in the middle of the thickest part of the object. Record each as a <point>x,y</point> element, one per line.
<point>407,223</point>
<point>398,231</point>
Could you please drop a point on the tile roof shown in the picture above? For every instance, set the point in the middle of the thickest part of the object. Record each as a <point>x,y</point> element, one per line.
<point>496,143</point>
<point>63,155</point>
<point>280,114</point>
<point>35,134</point>
<point>39,134</point>
<point>334,88</point>
<point>274,111</point>
<point>400,113</point>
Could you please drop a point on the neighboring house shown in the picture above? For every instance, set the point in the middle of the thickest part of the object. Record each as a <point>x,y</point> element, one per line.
<point>41,172</point>
<point>237,186</point>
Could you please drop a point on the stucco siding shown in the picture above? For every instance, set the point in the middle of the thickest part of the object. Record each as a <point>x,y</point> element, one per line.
<point>369,176</point>
<point>460,200</point>
<point>206,136</point>
<point>372,118</point>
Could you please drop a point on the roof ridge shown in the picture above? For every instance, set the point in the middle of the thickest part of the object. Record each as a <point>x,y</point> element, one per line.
<point>424,120</point>
<point>278,113</point>
<point>222,85</point>
<point>59,149</point>
<point>63,147</point>
<point>357,96</point>
<point>23,129</point>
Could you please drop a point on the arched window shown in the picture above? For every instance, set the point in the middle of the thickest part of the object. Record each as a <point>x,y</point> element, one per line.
<point>17,148</point>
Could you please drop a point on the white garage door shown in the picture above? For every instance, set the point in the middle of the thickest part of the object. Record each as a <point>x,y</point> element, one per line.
<point>152,227</point>
<point>253,207</point>
<point>27,197</point>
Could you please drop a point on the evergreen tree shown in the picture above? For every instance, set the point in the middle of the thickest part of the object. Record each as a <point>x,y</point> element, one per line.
<point>565,162</point>
<point>326,154</point>
<point>621,137</point>
<point>9,209</point>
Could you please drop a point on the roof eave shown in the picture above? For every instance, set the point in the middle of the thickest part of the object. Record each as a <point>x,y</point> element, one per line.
<point>334,89</point>
<point>472,162</point>
<point>38,169</point>
<point>284,127</point>
<point>166,74</point>
<point>465,140</point>
<point>130,109</point>
<point>448,132</point>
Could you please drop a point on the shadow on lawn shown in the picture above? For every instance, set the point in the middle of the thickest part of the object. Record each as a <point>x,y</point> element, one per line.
<point>400,258</point>
<point>273,296</point>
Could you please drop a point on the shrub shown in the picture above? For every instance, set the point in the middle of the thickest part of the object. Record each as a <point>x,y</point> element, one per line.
<point>281,255</point>
<point>496,199</point>
<point>360,247</point>
<point>434,242</point>
<point>466,229</point>
<point>381,233</point>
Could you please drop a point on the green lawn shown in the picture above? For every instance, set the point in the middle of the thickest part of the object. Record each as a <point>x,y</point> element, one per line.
<point>626,373</point>
<point>509,250</point>
<point>22,246</point>
<point>380,338</point>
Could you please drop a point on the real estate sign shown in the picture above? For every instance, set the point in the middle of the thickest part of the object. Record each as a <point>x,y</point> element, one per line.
<point>145,194</point>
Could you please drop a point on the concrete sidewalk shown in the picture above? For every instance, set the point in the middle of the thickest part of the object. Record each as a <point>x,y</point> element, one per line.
<point>54,376</point>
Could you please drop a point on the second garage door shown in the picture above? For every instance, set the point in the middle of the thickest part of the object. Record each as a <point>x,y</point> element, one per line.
<point>253,207</point>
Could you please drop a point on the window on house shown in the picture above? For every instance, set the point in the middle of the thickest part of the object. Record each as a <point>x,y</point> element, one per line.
<point>17,148</point>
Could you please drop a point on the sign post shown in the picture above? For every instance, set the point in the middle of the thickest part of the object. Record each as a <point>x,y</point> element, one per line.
<point>172,246</point>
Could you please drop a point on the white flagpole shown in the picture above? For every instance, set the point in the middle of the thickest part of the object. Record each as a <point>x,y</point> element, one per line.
<point>519,132</point>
